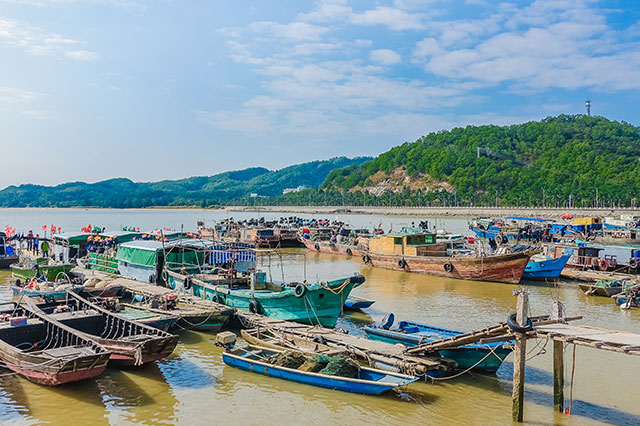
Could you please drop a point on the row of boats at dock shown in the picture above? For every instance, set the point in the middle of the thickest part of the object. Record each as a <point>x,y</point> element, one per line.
<point>120,299</point>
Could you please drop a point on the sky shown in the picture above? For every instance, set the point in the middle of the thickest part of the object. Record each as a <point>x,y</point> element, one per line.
<point>161,89</point>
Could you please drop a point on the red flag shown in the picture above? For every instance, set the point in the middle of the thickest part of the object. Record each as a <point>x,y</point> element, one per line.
<point>59,229</point>
<point>44,227</point>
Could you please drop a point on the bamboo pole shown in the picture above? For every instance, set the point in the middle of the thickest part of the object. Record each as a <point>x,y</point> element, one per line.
<point>558,362</point>
<point>519,358</point>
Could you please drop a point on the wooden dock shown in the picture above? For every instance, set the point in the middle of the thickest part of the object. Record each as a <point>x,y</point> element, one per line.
<point>594,276</point>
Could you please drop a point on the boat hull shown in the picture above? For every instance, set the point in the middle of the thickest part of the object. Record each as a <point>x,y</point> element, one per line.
<point>6,261</point>
<point>319,380</point>
<point>337,248</point>
<point>593,290</point>
<point>505,268</point>
<point>545,269</point>
<point>60,378</point>
<point>49,271</point>
<point>320,304</point>
<point>61,295</point>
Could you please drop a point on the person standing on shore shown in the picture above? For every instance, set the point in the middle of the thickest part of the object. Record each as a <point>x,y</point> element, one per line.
<point>30,240</point>
<point>45,248</point>
<point>36,244</point>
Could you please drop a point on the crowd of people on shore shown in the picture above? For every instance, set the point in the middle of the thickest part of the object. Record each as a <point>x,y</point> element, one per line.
<point>36,245</point>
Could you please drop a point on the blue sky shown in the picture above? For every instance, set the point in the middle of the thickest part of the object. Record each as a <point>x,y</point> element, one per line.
<point>160,89</point>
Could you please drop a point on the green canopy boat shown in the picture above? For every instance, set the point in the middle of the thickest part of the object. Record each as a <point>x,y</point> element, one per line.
<point>38,268</point>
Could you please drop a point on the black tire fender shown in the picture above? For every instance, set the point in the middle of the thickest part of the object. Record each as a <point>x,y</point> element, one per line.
<point>513,325</point>
<point>316,246</point>
<point>349,252</point>
<point>366,259</point>
<point>255,307</point>
<point>402,263</point>
<point>300,290</point>
<point>187,283</point>
<point>448,266</point>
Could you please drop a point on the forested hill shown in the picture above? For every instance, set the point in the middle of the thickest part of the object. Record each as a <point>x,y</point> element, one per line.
<point>194,191</point>
<point>553,159</point>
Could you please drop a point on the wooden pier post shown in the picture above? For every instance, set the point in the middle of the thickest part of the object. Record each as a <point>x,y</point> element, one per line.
<point>519,357</point>
<point>558,362</point>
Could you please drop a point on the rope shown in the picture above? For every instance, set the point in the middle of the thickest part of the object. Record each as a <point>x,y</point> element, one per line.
<point>491,352</point>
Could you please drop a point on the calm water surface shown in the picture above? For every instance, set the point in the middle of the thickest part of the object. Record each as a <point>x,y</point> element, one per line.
<point>194,387</point>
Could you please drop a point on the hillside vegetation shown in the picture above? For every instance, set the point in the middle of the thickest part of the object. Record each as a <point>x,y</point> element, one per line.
<point>194,191</point>
<point>550,161</point>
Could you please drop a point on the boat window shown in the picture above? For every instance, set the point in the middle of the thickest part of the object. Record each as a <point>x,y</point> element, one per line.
<point>397,240</point>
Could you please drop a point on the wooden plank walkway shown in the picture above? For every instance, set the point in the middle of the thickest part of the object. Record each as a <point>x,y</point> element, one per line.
<point>599,338</point>
<point>594,276</point>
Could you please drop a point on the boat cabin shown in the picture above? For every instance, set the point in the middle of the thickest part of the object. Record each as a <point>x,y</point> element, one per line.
<point>584,224</point>
<point>70,245</point>
<point>581,256</point>
<point>408,244</point>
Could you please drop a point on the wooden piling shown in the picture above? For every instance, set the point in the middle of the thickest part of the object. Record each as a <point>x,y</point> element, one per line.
<point>519,357</point>
<point>558,362</point>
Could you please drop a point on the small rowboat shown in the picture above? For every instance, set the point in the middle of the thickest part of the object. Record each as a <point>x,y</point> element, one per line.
<point>57,292</point>
<point>130,343</point>
<point>272,340</point>
<point>45,351</point>
<point>144,316</point>
<point>369,382</point>
<point>356,303</point>
<point>481,357</point>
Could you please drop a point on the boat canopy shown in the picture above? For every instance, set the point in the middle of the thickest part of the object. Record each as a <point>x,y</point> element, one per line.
<point>72,239</point>
<point>149,252</point>
<point>533,219</point>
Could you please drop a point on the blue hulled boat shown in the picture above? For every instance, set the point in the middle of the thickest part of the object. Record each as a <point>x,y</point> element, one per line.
<point>543,267</point>
<point>412,333</point>
<point>369,381</point>
<point>356,303</point>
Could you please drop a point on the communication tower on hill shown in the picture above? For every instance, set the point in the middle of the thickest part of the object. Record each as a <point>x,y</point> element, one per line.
<point>588,105</point>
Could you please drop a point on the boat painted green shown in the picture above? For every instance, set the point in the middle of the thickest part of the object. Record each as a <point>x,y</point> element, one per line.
<point>319,303</point>
<point>50,271</point>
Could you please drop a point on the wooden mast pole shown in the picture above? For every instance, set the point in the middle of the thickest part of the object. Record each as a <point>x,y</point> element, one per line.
<point>558,362</point>
<point>520,354</point>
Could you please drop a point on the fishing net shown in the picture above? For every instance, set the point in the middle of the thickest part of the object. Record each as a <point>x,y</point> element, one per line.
<point>607,283</point>
<point>316,364</point>
<point>342,366</point>
<point>288,359</point>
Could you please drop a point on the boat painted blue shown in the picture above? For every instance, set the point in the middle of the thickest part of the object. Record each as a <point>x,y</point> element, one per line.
<point>412,333</point>
<point>549,268</point>
<point>369,382</point>
<point>355,303</point>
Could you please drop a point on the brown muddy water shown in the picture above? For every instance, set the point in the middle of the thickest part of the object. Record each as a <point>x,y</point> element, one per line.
<point>194,387</point>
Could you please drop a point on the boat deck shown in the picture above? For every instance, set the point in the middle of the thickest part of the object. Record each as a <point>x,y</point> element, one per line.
<point>594,276</point>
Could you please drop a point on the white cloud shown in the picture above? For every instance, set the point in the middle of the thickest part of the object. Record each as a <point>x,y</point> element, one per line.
<point>386,57</point>
<point>394,19</point>
<point>297,31</point>
<point>81,55</point>
<point>11,94</point>
<point>38,42</point>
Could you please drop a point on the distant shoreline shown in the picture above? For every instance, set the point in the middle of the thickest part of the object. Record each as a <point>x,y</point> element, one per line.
<point>551,213</point>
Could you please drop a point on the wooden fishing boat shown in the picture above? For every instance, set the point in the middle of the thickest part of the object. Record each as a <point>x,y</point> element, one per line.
<point>419,252</point>
<point>41,267</point>
<point>45,351</point>
<point>356,303</point>
<point>130,343</point>
<point>47,291</point>
<point>273,340</point>
<point>319,303</point>
<point>191,316</point>
<point>603,288</point>
<point>8,254</point>
<point>482,357</point>
<point>147,317</point>
<point>369,381</point>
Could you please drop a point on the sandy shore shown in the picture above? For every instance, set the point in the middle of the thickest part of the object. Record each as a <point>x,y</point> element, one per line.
<point>551,213</point>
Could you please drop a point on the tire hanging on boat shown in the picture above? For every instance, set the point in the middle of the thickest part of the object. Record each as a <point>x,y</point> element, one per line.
<point>448,266</point>
<point>187,283</point>
<point>255,307</point>
<point>300,290</point>
<point>402,263</point>
<point>366,259</point>
<point>316,246</point>
<point>349,252</point>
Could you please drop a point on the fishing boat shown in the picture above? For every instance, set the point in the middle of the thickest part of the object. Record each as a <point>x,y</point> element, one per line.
<point>356,303</point>
<point>272,340</point>
<point>161,321</point>
<point>356,246</point>
<point>41,267</point>
<point>45,351</point>
<point>8,254</point>
<point>47,291</point>
<point>369,381</point>
<point>130,343</point>
<point>630,298</point>
<point>480,357</point>
<point>543,267</point>
<point>603,288</point>
<point>319,303</point>
<point>192,315</point>
<point>419,252</point>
